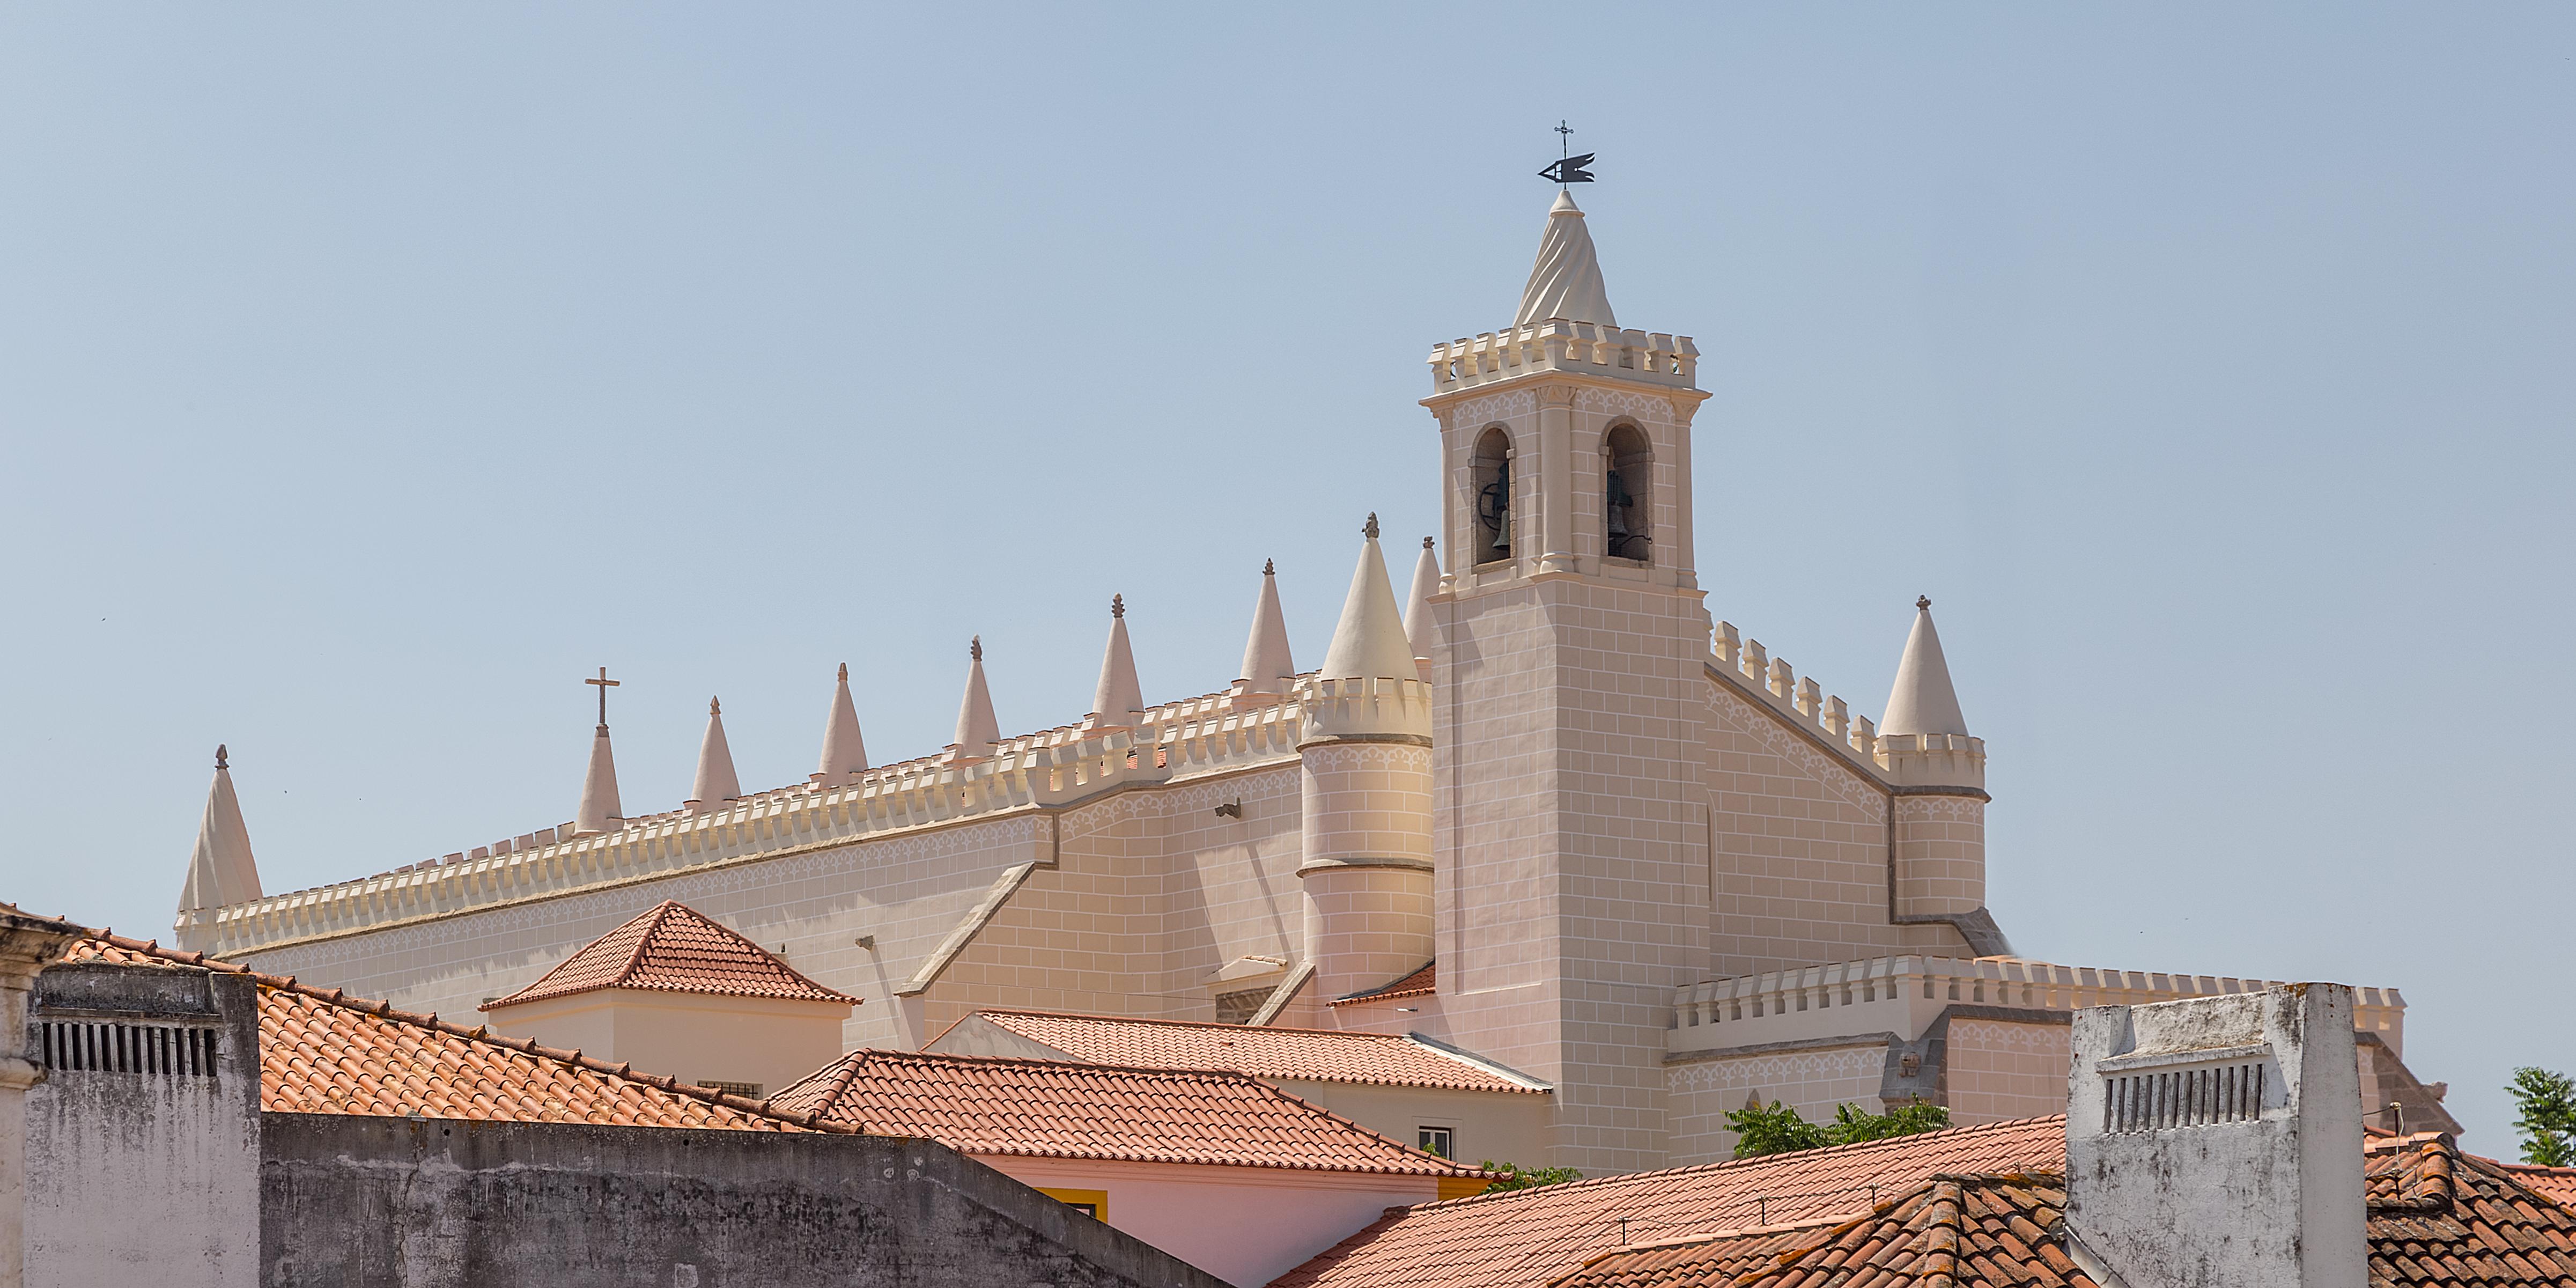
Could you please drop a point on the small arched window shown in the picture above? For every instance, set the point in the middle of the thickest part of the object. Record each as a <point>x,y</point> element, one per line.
<point>1628,495</point>
<point>1489,496</point>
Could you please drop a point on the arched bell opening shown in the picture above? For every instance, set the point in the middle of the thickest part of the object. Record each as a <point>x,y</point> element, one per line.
<point>1628,494</point>
<point>1489,493</point>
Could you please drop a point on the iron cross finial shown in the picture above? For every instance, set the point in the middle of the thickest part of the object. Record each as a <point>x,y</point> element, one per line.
<point>605,684</point>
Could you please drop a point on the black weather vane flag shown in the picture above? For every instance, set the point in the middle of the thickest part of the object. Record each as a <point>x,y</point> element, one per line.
<point>1567,169</point>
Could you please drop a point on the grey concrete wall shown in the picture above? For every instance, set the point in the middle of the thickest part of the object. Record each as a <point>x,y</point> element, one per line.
<point>142,1165</point>
<point>424,1203</point>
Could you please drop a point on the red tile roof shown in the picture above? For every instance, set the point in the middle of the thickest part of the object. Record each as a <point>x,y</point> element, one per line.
<point>1059,1109</point>
<point>1954,1230</point>
<point>2437,1219</point>
<point>2556,1182</point>
<point>673,948</point>
<point>1421,983</point>
<point>1527,1237</point>
<point>2444,1219</point>
<point>1285,1055</point>
<point>324,1052</point>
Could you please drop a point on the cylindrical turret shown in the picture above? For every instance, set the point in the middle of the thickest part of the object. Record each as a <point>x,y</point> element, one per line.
<point>1366,742</point>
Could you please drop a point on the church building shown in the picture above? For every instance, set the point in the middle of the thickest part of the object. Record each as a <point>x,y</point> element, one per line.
<point>1541,813</point>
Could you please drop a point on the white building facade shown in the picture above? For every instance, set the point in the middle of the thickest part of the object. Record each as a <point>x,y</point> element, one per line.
<point>1657,869</point>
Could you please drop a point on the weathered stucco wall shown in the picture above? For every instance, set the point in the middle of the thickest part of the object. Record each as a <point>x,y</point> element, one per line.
<point>430,1203</point>
<point>141,1153</point>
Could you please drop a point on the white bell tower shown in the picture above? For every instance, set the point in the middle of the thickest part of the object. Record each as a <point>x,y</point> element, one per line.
<point>1569,818</point>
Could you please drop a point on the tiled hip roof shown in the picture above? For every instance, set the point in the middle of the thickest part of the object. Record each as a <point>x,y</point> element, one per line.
<point>1058,1109</point>
<point>1284,1055</point>
<point>674,948</point>
<point>323,1052</point>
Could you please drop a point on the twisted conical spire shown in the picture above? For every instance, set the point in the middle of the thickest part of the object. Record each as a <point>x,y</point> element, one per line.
<point>844,752</point>
<point>1267,665</point>
<point>1566,281</point>
<point>600,810</point>
<point>1923,700</point>
<point>1419,632</point>
<point>977,730</point>
<point>221,871</point>
<point>1369,640</point>
<point>716,782</point>
<point>1118,695</point>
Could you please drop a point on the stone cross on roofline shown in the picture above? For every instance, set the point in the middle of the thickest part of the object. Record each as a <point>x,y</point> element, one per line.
<point>605,684</point>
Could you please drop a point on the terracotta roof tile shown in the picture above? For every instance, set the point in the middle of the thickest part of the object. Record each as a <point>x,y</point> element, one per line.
<point>1528,1237</point>
<point>1421,983</point>
<point>2440,1218</point>
<point>1954,1229</point>
<point>2437,1219</point>
<point>2556,1182</point>
<point>323,1052</point>
<point>1059,1109</point>
<point>673,948</point>
<point>1286,1055</point>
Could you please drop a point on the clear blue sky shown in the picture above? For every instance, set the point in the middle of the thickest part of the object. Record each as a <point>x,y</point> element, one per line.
<point>368,376</point>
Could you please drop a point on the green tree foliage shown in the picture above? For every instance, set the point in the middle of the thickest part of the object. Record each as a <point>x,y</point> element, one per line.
<point>2547,1121</point>
<point>1776,1128</point>
<point>1517,1177</point>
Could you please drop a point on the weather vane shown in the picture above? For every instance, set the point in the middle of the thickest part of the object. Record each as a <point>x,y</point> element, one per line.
<point>1567,168</point>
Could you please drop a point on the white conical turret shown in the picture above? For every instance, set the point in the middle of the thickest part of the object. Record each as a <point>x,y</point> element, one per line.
<point>716,782</point>
<point>1369,640</point>
<point>1118,697</point>
<point>1923,701</point>
<point>844,753</point>
<point>221,871</point>
<point>1267,665</point>
<point>600,810</point>
<point>1566,281</point>
<point>977,730</point>
<point>1418,628</point>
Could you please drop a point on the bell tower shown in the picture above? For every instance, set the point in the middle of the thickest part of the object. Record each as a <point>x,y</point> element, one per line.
<point>1569,780</point>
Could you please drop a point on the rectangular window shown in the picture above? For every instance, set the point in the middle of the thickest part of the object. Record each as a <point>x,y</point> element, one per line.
<point>746,1090</point>
<point>1090,1203</point>
<point>1437,1140</point>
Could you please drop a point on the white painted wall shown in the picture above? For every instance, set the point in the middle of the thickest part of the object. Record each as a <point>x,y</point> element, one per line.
<point>139,1178</point>
<point>765,1040</point>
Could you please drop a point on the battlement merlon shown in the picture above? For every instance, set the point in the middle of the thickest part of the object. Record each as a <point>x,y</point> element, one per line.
<point>1897,760</point>
<point>1034,773</point>
<point>1562,347</point>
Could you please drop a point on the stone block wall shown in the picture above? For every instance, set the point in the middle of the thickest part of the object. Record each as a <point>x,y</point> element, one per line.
<point>1999,1069</point>
<point>1813,1077</point>
<point>1940,855</point>
<point>1801,850</point>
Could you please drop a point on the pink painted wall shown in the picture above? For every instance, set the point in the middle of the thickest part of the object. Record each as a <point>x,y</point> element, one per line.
<point>1245,1225</point>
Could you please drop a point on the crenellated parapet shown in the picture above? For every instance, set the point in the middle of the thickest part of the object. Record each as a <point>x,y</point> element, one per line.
<point>1904,994</point>
<point>1556,345</point>
<point>1176,742</point>
<point>1897,760</point>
